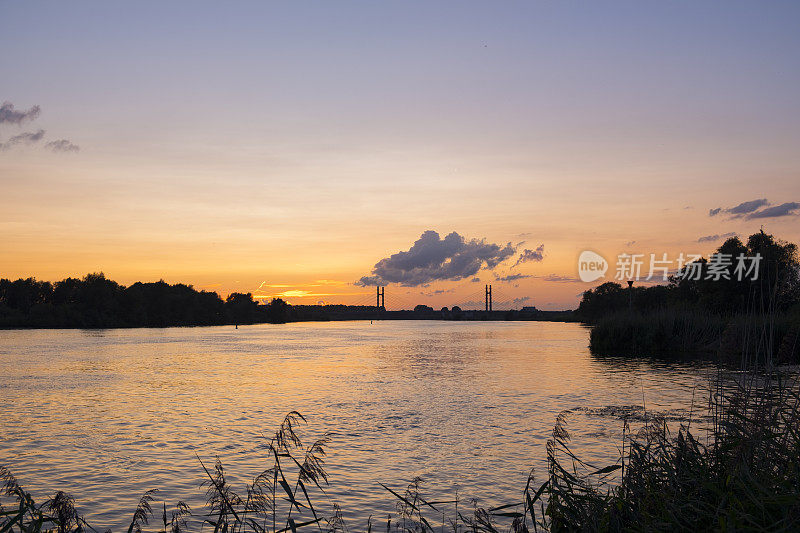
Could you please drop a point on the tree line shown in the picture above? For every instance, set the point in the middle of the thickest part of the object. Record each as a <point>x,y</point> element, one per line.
<point>775,291</point>
<point>98,302</point>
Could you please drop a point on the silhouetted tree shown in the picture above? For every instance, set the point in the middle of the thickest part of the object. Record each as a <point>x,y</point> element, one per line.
<point>241,308</point>
<point>96,301</point>
<point>277,311</point>
<point>728,292</point>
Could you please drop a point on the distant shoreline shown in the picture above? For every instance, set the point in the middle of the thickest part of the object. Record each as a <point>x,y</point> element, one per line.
<point>547,316</point>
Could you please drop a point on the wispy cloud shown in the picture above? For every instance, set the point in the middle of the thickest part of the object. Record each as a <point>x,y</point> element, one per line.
<point>23,138</point>
<point>9,115</point>
<point>512,277</point>
<point>531,255</point>
<point>782,210</point>
<point>301,293</point>
<point>470,305</point>
<point>715,237</point>
<point>557,278</point>
<point>752,209</point>
<point>740,210</point>
<point>62,145</point>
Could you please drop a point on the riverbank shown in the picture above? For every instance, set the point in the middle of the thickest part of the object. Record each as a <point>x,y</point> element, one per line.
<point>733,339</point>
<point>292,314</point>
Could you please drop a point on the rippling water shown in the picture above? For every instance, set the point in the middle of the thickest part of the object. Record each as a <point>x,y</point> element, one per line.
<point>468,406</point>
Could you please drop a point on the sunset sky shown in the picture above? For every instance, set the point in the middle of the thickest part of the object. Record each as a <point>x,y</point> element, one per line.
<point>286,149</point>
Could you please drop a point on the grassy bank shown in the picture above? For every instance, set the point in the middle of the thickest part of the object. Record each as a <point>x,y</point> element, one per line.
<point>735,340</point>
<point>745,476</point>
<point>741,472</point>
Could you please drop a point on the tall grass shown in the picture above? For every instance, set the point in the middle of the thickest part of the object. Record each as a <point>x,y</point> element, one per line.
<point>744,340</point>
<point>660,332</point>
<point>744,476</point>
<point>286,496</point>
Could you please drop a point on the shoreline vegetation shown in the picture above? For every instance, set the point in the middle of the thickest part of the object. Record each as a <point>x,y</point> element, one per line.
<point>729,320</point>
<point>96,302</point>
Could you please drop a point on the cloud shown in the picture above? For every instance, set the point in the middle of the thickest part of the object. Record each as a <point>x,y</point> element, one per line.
<point>62,145</point>
<point>471,304</point>
<point>783,210</point>
<point>747,207</point>
<point>715,237</point>
<point>475,280</point>
<point>740,210</point>
<point>11,116</point>
<point>531,255</point>
<point>23,138</point>
<point>512,277</point>
<point>366,281</point>
<point>521,300</point>
<point>432,258</point>
<point>556,278</point>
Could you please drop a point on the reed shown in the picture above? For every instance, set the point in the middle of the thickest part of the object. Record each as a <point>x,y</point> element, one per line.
<point>733,339</point>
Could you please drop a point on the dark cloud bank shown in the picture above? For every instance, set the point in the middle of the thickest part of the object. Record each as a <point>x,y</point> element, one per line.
<point>432,258</point>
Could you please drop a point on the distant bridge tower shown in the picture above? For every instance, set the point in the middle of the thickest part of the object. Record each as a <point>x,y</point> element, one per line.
<point>488,298</point>
<point>380,297</point>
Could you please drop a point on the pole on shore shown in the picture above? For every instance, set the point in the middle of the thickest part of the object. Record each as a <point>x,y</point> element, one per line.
<point>630,295</point>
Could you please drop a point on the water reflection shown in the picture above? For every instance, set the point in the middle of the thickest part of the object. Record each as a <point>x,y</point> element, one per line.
<point>467,406</point>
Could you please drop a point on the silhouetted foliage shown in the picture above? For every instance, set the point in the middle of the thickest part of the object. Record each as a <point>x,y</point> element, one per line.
<point>242,308</point>
<point>98,302</point>
<point>724,315</point>
<point>777,288</point>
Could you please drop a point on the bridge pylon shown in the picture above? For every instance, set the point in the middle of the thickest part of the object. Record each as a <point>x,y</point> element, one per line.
<point>380,297</point>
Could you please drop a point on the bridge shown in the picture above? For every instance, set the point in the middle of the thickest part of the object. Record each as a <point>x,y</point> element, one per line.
<point>486,299</point>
